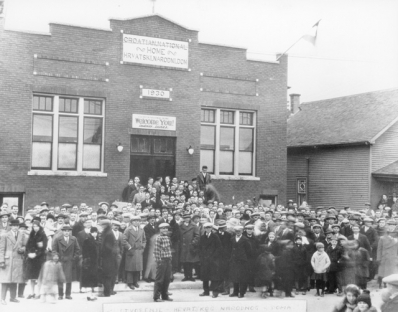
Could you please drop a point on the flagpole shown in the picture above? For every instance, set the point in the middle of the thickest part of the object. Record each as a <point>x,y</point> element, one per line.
<point>295,43</point>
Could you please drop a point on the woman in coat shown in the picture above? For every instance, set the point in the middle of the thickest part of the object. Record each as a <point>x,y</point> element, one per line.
<point>108,258</point>
<point>387,251</point>
<point>35,255</point>
<point>90,256</point>
<point>265,267</point>
<point>11,261</point>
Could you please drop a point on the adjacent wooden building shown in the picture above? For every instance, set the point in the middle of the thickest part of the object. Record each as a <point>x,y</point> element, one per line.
<point>344,151</point>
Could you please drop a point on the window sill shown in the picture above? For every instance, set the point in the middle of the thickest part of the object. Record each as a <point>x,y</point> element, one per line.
<point>235,178</point>
<point>67,173</point>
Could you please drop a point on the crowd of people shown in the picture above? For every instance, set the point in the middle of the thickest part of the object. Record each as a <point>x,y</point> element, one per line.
<point>162,228</point>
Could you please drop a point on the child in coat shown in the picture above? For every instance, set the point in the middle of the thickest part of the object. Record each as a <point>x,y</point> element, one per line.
<point>50,275</point>
<point>264,270</point>
<point>320,263</point>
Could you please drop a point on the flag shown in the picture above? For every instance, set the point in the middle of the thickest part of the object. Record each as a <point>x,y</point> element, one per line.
<point>312,34</point>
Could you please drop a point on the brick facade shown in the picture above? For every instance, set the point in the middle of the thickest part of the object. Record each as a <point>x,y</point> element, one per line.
<point>87,51</point>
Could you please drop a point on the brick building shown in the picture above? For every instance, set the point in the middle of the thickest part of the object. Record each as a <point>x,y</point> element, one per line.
<point>70,96</point>
<point>344,151</point>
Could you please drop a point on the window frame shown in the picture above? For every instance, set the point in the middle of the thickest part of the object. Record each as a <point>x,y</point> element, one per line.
<point>236,152</point>
<point>80,115</point>
<point>34,112</point>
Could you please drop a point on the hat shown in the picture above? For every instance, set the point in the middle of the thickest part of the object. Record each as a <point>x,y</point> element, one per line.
<point>343,212</point>
<point>391,222</point>
<point>195,216</point>
<point>381,219</point>
<point>23,225</point>
<point>14,223</point>
<point>299,225</point>
<point>43,204</point>
<point>83,214</point>
<point>335,225</point>
<point>364,297</point>
<point>368,219</point>
<point>135,218</point>
<point>50,216</point>
<point>186,215</point>
<point>114,222</point>
<point>104,221</point>
<point>103,203</point>
<point>367,204</point>
<point>66,227</point>
<point>249,226</point>
<point>391,279</point>
<point>330,216</point>
<point>313,219</point>
<point>319,245</point>
<point>227,209</point>
<point>298,238</point>
<point>66,205</point>
<point>215,227</point>
<point>163,225</point>
<point>151,216</point>
<point>255,214</point>
<point>238,228</point>
<point>44,210</point>
<point>334,237</point>
<point>328,231</point>
<point>83,205</point>
<point>345,220</point>
<point>208,224</point>
<point>62,216</point>
<point>222,223</point>
<point>2,214</point>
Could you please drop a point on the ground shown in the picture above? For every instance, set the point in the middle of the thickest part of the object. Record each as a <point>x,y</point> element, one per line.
<point>182,292</point>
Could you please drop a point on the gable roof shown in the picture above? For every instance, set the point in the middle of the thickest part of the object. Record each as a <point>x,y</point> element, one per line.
<point>153,15</point>
<point>388,171</point>
<point>350,119</point>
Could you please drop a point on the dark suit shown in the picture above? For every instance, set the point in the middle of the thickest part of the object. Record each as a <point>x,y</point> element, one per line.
<point>149,230</point>
<point>362,241</point>
<point>147,203</point>
<point>225,239</point>
<point>203,181</point>
<point>81,237</point>
<point>373,239</point>
<point>210,256</point>
<point>239,269</point>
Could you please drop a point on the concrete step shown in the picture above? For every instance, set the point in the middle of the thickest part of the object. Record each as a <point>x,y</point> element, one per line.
<point>144,286</point>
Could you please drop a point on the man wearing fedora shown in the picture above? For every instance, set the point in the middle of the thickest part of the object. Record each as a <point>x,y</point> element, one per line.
<point>225,239</point>
<point>189,244</point>
<point>11,262</point>
<point>68,250</point>
<point>4,222</point>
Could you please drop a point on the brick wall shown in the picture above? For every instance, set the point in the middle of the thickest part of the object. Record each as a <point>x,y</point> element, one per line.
<point>17,84</point>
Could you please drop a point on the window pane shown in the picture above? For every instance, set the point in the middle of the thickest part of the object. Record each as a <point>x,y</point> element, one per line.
<point>44,103</point>
<point>41,155</point>
<point>42,128</point>
<point>207,159</point>
<point>207,115</point>
<point>67,156</point>
<point>93,107</point>
<point>91,156</point>
<point>207,137</point>
<point>226,162</point>
<point>245,162</point>
<point>93,130</point>
<point>67,129</point>
<point>246,139</point>
<point>227,138</point>
<point>246,119</point>
<point>227,117</point>
<point>140,145</point>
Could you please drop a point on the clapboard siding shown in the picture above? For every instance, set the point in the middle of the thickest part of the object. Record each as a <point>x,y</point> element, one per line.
<point>337,176</point>
<point>385,150</point>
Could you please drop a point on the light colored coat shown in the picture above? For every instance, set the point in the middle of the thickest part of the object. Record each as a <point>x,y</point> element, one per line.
<point>13,271</point>
<point>135,242</point>
<point>387,251</point>
<point>320,262</point>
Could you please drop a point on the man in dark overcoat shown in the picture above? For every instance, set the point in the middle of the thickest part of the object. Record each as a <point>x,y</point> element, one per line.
<point>239,266</point>
<point>109,251</point>
<point>189,246</point>
<point>225,238</point>
<point>210,256</point>
<point>150,230</point>
<point>69,250</point>
<point>373,238</point>
<point>248,233</point>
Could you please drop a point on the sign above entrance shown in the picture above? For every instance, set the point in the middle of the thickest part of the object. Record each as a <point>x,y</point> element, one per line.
<point>155,51</point>
<point>155,94</point>
<point>154,122</point>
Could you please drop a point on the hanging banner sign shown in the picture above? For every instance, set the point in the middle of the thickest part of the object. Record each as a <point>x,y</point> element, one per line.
<point>154,122</point>
<point>155,51</point>
<point>207,306</point>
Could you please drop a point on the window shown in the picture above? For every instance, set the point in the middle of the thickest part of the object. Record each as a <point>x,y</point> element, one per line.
<point>67,133</point>
<point>227,141</point>
<point>301,190</point>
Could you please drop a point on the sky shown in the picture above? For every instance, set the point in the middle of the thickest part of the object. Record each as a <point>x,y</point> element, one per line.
<point>356,49</point>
